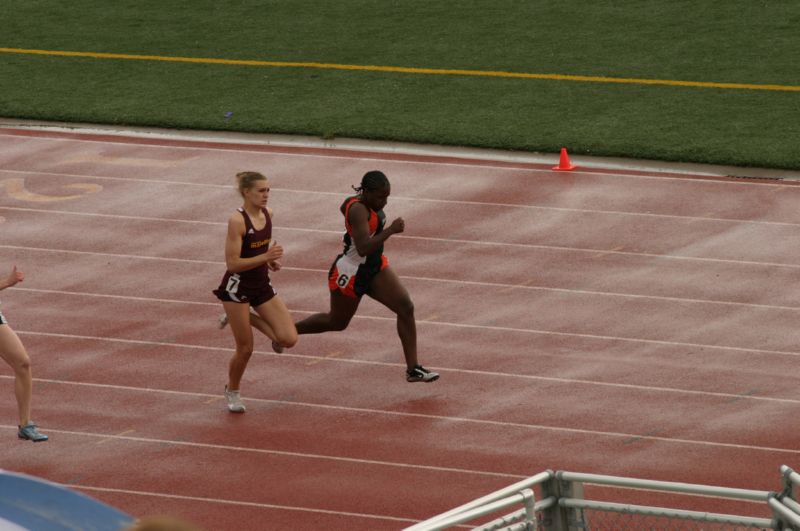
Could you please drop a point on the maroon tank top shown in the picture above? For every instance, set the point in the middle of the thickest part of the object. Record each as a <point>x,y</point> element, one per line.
<point>254,243</point>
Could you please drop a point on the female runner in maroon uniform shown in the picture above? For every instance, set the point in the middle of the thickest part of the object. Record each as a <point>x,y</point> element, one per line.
<point>249,258</point>
<point>362,269</point>
<point>13,352</point>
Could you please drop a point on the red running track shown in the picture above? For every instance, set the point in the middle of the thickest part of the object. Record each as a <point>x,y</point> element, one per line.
<point>600,321</point>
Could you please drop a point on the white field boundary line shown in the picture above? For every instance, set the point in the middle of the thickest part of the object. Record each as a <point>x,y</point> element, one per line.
<point>413,199</point>
<point>271,506</point>
<point>482,373</point>
<point>324,457</point>
<point>282,453</point>
<point>493,285</point>
<point>423,416</point>
<point>238,503</point>
<point>348,153</point>
<point>241,503</point>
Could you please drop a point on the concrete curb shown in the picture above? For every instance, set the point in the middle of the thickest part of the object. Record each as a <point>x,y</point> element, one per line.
<point>405,148</point>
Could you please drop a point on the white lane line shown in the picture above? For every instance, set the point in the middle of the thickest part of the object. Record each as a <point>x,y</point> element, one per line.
<point>124,297</point>
<point>493,285</point>
<point>499,285</point>
<point>435,201</point>
<point>238,503</point>
<point>325,511</point>
<point>486,243</point>
<point>437,418</point>
<point>451,370</point>
<point>114,255</point>
<point>603,251</point>
<point>133,179</point>
<point>511,329</point>
<point>155,219</point>
<point>114,216</point>
<point>210,446</point>
<point>389,157</point>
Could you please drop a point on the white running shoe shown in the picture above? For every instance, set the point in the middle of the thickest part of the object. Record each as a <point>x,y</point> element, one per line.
<point>234,399</point>
<point>222,322</point>
<point>421,374</point>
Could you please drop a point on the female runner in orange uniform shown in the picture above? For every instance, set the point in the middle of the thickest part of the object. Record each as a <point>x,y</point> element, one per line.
<point>362,269</point>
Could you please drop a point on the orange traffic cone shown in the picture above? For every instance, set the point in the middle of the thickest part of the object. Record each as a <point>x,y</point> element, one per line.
<point>564,164</point>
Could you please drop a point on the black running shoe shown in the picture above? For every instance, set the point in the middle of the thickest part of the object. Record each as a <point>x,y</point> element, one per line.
<point>421,374</point>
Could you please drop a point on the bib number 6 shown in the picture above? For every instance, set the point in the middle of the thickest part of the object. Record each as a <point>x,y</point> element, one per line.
<point>343,280</point>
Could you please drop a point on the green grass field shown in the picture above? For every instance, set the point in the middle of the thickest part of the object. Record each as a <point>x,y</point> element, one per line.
<point>736,42</point>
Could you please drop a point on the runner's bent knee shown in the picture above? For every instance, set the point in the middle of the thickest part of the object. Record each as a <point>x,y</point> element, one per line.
<point>19,361</point>
<point>244,350</point>
<point>288,340</point>
<point>21,366</point>
<point>24,365</point>
<point>403,307</point>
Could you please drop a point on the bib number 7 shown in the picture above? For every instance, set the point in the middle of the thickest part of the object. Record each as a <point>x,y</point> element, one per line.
<point>233,284</point>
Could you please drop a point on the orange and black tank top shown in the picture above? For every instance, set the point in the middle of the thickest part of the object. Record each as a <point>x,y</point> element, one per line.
<point>376,222</point>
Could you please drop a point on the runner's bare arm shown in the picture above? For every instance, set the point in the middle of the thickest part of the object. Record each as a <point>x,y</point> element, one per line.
<point>358,217</point>
<point>14,277</point>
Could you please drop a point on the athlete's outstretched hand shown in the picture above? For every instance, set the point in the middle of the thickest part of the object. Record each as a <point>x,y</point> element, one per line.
<point>13,277</point>
<point>398,225</point>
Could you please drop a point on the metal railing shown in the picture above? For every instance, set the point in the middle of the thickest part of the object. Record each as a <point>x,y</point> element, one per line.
<point>562,506</point>
<point>483,506</point>
<point>784,504</point>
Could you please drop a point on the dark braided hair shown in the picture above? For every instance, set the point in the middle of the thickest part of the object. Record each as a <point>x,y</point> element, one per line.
<point>372,180</point>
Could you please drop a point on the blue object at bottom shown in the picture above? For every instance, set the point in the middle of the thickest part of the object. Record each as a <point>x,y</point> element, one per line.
<point>39,505</point>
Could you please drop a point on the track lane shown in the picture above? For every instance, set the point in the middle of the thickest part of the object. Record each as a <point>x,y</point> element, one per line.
<point>614,231</point>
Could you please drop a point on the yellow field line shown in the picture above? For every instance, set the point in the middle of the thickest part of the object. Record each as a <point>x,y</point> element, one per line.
<point>408,70</point>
